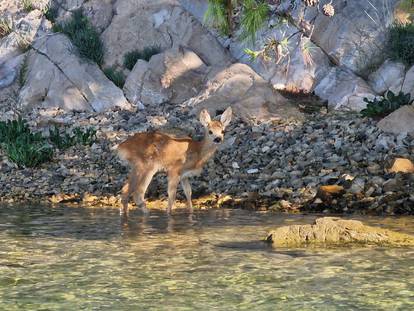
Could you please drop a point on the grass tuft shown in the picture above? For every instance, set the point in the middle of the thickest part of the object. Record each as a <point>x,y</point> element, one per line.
<point>83,35</point>
<point>131,58</point>
<point>401,43</point>
<point>117,77</point>
<point>6,27</point>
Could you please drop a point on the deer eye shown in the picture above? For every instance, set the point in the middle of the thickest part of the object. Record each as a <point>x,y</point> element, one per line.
<point>210,132</point>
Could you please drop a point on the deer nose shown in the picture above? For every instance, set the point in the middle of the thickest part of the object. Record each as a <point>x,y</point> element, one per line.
<point>218,140</point>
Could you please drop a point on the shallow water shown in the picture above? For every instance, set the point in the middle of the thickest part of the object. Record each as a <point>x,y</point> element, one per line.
<point>88,259</point>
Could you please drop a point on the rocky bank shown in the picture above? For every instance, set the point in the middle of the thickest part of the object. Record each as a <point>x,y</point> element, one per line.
<point>280,153</point>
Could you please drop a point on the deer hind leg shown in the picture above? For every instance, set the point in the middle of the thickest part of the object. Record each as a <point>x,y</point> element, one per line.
<point>143,181</point>
<point>173,180</point>
<point>127,190</point>
<point>185,183</point>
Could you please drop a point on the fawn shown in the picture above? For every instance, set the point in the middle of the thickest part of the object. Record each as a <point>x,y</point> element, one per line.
<point>151,152</point>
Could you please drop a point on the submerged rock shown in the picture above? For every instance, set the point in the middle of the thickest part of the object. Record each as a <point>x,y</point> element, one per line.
<point>336,231</point>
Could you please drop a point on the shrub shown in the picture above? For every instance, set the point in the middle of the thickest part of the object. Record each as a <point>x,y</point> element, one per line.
<point>380,107</point>
<point>401,43</point>
<point>28,5</point>
<point>65,140</point>
<point>23,147</point>
<point>117,77</point>
<point>6,27</point>
<point>131,58</point>
<point>51,13</point>
<point>83,35</point>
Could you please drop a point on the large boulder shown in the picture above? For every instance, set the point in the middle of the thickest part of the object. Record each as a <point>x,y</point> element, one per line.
<point>400,121</point>
<point>390,76</point>
<point>408,85</point>
<point>57,77</point>
<point>173,76</point>
<point>162,23</point>
<point>251,96</point>
<point>335,231</point>
<point>344,90</point>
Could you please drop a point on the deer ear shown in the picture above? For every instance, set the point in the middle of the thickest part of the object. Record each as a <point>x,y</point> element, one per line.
<point>226,117</point>
<point>205,118</point>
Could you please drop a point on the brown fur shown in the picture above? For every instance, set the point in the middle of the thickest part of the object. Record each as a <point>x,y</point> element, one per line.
<point>148,153</point>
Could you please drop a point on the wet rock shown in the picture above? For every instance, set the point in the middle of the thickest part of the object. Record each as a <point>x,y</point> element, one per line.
<point>335,231</point>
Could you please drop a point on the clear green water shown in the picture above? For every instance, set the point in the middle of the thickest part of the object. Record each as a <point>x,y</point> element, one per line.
<point>84,259</point>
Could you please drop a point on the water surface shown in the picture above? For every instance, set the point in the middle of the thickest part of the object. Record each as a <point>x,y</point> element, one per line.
<point>88,259</point>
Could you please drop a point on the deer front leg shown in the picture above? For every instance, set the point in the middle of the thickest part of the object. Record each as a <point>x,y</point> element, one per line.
<point>173,180</point>
<point>127,189</point>
<point>143,182</point>
<point>185,183</point>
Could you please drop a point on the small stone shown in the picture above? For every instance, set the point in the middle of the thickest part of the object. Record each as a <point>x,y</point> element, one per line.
<point>253,171</point>
<point>402,165</point>
<point>235,165</point>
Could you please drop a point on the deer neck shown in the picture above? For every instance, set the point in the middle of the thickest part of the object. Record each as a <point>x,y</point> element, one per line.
<point>205,150</point>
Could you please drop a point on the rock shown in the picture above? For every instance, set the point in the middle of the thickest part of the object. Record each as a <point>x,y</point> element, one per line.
<point>173,76</point>
<point>252,98</point>
<point>160,23</point>
<point>10,70</point>
<point>351,38</point>
<point>392,185</point>
<point>399,121</point>
<point>408,86</point>
<point>335,231</point>
<point>344,90</point>
<point>402,165</point>
<point>389,76</point>
<point>56,77</point>
<point>99,12</point>
<point>328,192</point>
<point>357,186</point>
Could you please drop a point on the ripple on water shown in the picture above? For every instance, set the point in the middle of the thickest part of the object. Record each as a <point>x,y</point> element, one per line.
<point>74,258</point>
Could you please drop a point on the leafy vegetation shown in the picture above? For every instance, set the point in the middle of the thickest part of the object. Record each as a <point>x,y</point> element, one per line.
<point>63,140</point>
<point>23,147</point>
<point>6,27</point>
<point>51,13</point>
<point>117,77</point>
<point>401,43</point>
<point>28,149</point>
<point>83,35</point>
<point>254,18</point>
<point>380,107</point>
<point>131,58</point>
<point>27,5</point>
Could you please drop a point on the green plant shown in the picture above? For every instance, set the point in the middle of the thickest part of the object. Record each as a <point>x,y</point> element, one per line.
<point>85,137</point>
<point>83,35</point>
<point>27,151</point>
<point>131,58</point>
<point>27,5</point>
<point>6,27</point>
<point>23,147</point>
<point>64,140</point>
<point>254,18</point>
<point>61,140</point>
<point>218,17</point>
<point>380,107</point>
<point>117,77</point>
<point>401,43</point>
<point>51,12</point>
<point>10,130</point>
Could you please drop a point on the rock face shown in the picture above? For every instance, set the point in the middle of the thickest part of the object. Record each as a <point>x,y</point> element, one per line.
<point>163,23</point>
<point>343,89</point>
<point>335,231</point>
<point>251,96</point>
<point>58,78</point>
<point>408,85</point>
<point>390,76</point>
<point>400,121</point>
<point>173,76</point>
